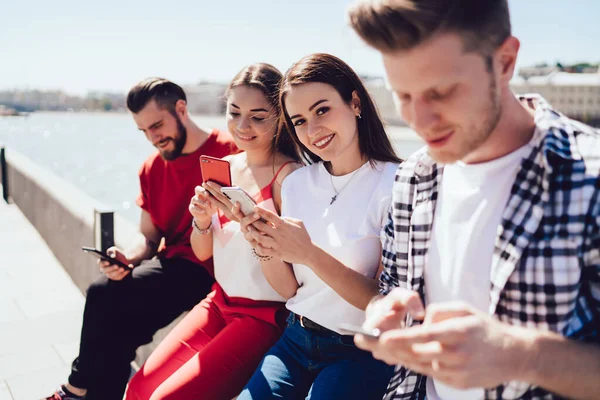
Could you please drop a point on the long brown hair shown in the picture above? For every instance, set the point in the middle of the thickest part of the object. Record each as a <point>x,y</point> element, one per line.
<point>267,79</point>
<point>373,141</point>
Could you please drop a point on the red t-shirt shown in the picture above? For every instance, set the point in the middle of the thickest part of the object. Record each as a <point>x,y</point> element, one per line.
<point>166,190</point>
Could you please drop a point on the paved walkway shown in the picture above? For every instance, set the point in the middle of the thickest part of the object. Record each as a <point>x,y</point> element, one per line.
<point>40,312</point>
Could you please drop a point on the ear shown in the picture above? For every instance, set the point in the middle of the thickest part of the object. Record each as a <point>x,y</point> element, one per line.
<point>181,108</point>
<point>355,103</point>
<point>506,58</point>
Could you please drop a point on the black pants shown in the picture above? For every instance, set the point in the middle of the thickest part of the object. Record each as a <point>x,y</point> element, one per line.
<point>120,316</point>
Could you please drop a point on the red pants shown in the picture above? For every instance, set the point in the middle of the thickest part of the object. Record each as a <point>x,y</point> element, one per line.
<point>212,352</point>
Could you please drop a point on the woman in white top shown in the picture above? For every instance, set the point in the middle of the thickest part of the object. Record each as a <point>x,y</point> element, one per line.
<point>324,253</point>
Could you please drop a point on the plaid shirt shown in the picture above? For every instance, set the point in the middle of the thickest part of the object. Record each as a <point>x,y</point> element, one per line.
<point>545,271</point>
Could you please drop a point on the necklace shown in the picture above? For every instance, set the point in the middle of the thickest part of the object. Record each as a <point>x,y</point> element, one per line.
<point>337,192</point>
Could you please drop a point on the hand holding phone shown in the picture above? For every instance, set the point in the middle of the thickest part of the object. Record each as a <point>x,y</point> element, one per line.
<point>236,194</point>
<point>201,207</point>
<point>105,257</point>
<point>350,329</point>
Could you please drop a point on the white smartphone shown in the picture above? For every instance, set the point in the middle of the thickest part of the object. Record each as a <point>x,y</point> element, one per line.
<point>350,329</point>
<point>235,193</point>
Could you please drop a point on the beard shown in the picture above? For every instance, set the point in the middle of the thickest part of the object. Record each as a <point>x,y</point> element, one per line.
<point>476,133</point>
<point>178,142</point>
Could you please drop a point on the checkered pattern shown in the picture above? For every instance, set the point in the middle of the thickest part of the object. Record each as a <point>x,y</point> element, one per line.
<point>546,264</point>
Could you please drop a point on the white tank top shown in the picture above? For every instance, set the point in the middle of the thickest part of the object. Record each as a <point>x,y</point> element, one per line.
<point>236,269</point>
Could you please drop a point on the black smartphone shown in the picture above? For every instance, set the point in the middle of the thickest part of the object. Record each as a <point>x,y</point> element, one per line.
<point>103,256</point>
<point>350,329</point>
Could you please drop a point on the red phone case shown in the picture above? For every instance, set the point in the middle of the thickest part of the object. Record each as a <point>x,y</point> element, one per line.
<point>216,170</point>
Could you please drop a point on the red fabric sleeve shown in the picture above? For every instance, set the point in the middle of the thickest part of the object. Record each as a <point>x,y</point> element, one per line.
<point>142,199</point>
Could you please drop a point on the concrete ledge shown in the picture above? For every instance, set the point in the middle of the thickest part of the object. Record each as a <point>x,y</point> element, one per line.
<point>64,217</point>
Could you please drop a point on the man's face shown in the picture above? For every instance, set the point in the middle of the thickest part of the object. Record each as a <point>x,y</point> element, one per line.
<point>163,129</point>
<point>448,96</point>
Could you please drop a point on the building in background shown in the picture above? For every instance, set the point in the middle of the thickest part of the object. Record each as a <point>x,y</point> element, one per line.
<point>576,95</point>
<point>383,98</point>
<point>206,98</point>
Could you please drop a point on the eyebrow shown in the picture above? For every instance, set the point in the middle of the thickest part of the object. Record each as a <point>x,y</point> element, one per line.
<point>152,126</point>
<point>253,110</point>
<point>310,108</point>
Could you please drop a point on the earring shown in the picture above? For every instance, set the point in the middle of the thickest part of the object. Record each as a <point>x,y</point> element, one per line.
<point>359,117</point>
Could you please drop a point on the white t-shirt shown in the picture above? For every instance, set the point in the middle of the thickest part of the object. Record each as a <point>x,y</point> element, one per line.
<point>348,230</point>
<point>468,213</point>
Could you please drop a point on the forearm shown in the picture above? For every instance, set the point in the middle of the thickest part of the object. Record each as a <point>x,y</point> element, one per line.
<point>202,245</point>
<point>561,365</point>
<point>352,286</point>
<point>143,248</point>
<point>281,277</point>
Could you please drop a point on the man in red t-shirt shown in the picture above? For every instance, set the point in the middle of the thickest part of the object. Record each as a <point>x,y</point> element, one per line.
<point>124,308</point>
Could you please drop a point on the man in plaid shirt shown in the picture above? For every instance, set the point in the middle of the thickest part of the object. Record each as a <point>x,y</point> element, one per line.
<point>494,226</point>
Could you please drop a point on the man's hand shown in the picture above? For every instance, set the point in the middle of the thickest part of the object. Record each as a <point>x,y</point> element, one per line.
<point>112,271</point>
<point>457,345</point>
<point>391,311</point>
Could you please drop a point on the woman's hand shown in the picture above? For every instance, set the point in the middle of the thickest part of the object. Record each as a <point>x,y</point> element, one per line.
<point>201,208</point>
<point>281,237</point>
<point>219,200</point>
<point>245,223</point>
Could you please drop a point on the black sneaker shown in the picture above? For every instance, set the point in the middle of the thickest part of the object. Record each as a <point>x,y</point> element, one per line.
<point>61,394</point>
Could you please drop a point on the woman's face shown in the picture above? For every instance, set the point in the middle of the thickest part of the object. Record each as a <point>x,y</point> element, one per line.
<point>323,121</point>
<point>251,119</point>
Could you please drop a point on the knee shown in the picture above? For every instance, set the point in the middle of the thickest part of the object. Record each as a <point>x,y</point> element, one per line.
<point>103,292</point>
<point>98,288</point>
<point>135,388</point>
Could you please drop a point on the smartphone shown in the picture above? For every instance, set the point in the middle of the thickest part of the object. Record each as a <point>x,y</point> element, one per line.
<point>103,256</point>
<point>235,193</point>
<point>215,170</point>
<point>350,329</point>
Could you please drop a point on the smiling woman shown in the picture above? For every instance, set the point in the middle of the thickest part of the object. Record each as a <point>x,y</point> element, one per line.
<point>332,213</point>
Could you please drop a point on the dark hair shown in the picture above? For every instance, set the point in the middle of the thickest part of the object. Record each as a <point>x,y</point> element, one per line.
<point>390,25</point>
<point>163,91</point>
<point>373,141</point>
<point>267,79</point>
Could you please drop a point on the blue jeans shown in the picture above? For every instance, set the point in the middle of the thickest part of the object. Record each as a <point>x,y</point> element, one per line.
<point>306,364</point>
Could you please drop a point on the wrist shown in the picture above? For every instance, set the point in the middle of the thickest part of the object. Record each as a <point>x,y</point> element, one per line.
<point>525,350</point>
<point>132,259</point>
<point>312,256</point>
<point>260,257</point>
<point>200,227</point>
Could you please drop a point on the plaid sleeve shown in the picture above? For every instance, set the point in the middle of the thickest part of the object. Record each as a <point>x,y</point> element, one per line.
<point>591,272</point>
<point>389,278</point>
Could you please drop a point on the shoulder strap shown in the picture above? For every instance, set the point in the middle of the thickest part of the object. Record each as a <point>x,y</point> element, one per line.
<point>278,171</point>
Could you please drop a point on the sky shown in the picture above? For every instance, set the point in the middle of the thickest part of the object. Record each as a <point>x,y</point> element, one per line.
<point>109,45</point>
